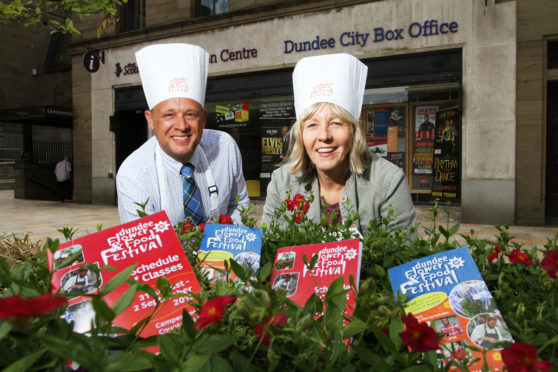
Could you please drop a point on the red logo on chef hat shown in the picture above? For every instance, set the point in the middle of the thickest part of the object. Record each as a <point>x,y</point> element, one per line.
<point>179,85</point>
<point>322,90</point>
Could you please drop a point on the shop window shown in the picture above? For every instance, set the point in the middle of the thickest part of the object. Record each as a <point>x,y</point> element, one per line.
<point>258,126</point>
<point>418,129</point>
<point>211,7</point>
<point>131,16</point>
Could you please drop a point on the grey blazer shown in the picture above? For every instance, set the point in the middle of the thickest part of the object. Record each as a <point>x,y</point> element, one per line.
<point>381,186</point>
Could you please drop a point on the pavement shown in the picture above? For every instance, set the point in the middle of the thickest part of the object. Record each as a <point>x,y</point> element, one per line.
<point>41,219</point>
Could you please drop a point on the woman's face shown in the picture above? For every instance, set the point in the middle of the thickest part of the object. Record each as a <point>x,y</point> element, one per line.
<point>327,139</point>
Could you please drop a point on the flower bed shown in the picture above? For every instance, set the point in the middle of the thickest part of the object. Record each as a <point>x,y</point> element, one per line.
<point>264,330</point>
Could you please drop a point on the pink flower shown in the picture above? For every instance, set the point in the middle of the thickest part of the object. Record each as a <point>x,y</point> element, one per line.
<point>212,311</point>
<point>420,336</point>
<point>276,321</point>
<point>17,307</point>
<point>520,357</point>
<point>187,226</point>
<point>550,263</point>
<point>495,253</point>
<point>520,257</point>
<point>225,220</point>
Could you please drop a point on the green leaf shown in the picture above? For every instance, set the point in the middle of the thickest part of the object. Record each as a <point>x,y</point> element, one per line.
<point>188,324</point>
<point>26,362</point>
<point>195,362</point>
<point>169,349</point>
<point>454,229</point>
<point>5,328</point>
<point>215,343</point>
<point>238,270</point>
<point>164,286</point>
<point>354,327</point>
<point>124,361</point>
<point>265,271</point>
<point>371,358</point>
<point>117,280</point>
<point>217,364</point>
<point>102,309</point>
<point>125,300</point>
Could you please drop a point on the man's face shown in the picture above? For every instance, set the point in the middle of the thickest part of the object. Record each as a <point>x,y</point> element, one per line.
<point>492,323</point>
<point>426,118</point>
<point>82,273</point>
<point>178,125</point>
<point>284,130</point>
<point>445,321</point>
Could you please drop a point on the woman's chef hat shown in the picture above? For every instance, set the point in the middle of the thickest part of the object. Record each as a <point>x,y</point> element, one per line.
<point>173,70</point>
<point>336,78</point>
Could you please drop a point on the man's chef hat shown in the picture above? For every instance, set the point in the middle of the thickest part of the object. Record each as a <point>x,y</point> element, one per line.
<point>336,78</point>
<point>173,70</point>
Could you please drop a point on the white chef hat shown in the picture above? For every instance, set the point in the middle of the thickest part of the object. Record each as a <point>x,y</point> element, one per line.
<point>173,70</point>
<point>336,78</point>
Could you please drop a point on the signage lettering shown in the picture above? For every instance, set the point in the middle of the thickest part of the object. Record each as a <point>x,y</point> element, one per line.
<point>430,27</point>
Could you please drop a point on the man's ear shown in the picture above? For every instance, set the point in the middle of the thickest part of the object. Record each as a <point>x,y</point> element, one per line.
<point>149,118</point>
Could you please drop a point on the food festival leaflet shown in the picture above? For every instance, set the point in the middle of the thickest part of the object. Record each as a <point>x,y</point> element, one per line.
<point>447,291</point>
<point>335,259</point>
<point>149,242</point>
<point>222,242</point>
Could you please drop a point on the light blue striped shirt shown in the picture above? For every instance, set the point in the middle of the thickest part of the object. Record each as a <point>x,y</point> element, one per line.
<point>137,179</point>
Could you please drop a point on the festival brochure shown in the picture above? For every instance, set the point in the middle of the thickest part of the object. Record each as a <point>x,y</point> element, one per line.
<point>335,259</point>
<point>223,242</point>
<point>447,291</point>
<point>149,242</point>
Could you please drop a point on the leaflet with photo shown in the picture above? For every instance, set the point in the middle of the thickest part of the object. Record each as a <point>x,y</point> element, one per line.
<point>223,242</point>
<point>447,291</point>
<point>335,259</point>
<point>149,242</point>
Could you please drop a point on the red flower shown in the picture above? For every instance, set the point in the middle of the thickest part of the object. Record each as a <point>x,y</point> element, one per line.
<point>420,336</point>
<point>15,306</point>
<point>202,227</point>
<point>520,257</point>
<point>298,200</point>
<point>225,220</point>
<point>550,263</point>
<point>495,253</point>
<point>290,205</point>
<point>187,226</point>
<point>276,321</point>
<point>522,357</point>
<point>298,217</point>
<point>212,311</point>
<point>306,207</point>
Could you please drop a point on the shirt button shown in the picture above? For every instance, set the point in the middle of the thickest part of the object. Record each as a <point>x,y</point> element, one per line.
<point>343,198</point>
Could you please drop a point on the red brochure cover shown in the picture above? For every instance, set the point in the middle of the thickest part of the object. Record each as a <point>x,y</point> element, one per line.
<point>149,242</point>
<point>335,259</point>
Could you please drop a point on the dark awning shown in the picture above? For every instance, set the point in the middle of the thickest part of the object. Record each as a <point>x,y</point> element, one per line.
<point>42,115</point>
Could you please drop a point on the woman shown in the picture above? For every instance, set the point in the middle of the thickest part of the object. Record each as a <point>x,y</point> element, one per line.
<point>329,154</point>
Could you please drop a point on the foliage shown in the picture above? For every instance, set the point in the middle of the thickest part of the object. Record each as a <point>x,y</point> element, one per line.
<point>59,15</point>
<point>264,330</point>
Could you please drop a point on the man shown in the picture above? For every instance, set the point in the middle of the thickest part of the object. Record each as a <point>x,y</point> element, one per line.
<point>62,172</point>
<point>174,79</point>
<point>426,127</point>
<point>449,328</point>
<point>77,284</point>
<point>487,334</point>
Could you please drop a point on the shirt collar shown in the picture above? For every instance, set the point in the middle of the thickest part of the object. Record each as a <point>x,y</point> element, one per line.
<point>175,165</point>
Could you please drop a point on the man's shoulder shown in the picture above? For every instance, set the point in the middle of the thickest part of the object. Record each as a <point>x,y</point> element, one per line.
<point>141,158</point>
<point>213,137</point>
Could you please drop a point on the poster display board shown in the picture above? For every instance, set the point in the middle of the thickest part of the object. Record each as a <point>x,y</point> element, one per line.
<point>424,121</point>
<point>447,163</point>
<point>385,127</point>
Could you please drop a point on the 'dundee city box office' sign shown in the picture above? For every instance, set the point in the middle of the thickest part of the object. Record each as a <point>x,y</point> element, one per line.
<point>149,242</point>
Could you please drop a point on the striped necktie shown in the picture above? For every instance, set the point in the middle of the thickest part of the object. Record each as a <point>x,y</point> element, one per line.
<point>191,196</point>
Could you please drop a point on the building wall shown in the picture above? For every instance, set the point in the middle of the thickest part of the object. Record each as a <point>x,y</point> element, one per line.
<point>487,36</point>
<point>536,22</point>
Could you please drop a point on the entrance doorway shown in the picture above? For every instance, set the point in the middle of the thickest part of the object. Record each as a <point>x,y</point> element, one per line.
<point>130,131</point>
<point>552,153</point>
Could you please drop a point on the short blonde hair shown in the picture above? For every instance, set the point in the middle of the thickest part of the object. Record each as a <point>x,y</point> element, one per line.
<point>299,161</point>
